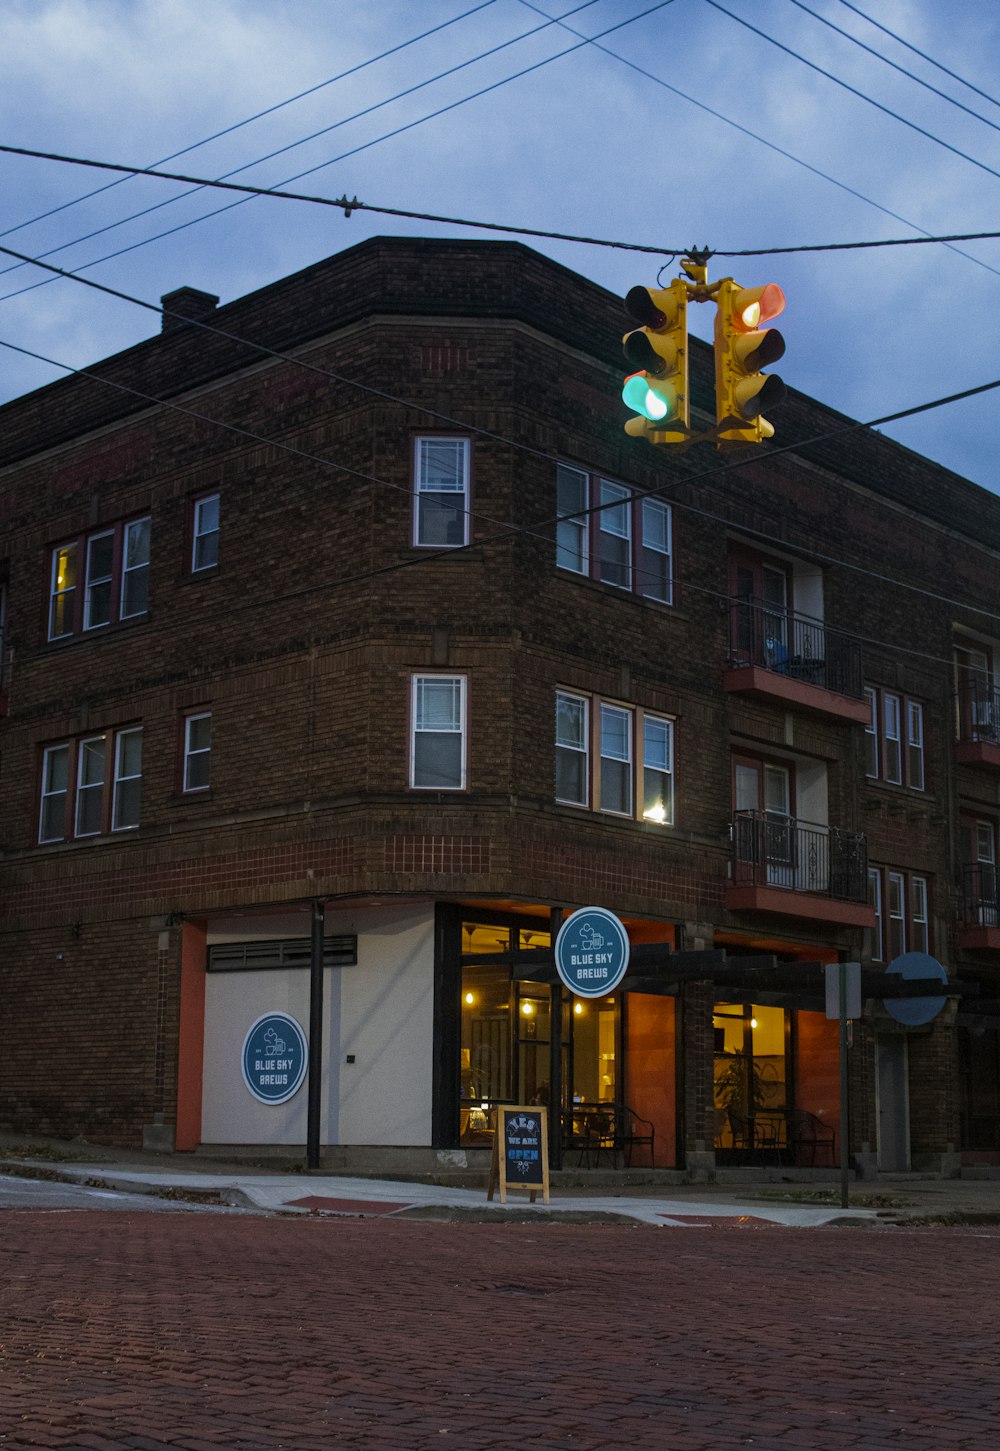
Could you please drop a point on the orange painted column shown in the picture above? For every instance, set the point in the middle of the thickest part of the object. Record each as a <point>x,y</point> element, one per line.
<point>191,1036</point>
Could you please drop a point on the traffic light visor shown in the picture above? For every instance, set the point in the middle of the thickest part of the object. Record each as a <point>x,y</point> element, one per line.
<point>754,306</point>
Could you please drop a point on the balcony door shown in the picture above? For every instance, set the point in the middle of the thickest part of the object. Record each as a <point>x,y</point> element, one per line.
<point>979,848</point>
<point>762,799</point>
<point>978,710</point>
<point>761,598</point>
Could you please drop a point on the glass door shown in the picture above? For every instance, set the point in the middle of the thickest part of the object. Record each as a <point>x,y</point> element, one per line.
<point>762,794</point>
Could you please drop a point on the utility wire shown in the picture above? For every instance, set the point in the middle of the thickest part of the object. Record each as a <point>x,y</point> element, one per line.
<point>354,205</point>
<point>331,161</point>
<point>257,116</point>
<point>508,531</point>
<point>902,69</point>
<point>922,54</point>
<point>853,89</point>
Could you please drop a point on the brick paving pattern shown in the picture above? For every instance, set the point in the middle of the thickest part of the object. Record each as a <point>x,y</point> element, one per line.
<point>195,1333</point>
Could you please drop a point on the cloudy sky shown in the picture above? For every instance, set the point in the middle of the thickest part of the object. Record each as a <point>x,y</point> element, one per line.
<point>663,122</point>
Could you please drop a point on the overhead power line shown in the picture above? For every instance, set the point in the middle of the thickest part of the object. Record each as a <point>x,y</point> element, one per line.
<point>922,53</point>
<point>854,91</point>
<point>257,116</point>
<point>348,206</point>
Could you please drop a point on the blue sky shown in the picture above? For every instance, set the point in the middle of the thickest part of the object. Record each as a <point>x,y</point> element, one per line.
<point>584,143</point>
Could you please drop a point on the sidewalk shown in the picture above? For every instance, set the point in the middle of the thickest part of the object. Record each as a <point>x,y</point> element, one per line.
<point>896,1200</point>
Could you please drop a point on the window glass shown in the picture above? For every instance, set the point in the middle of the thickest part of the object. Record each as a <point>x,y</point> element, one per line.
<point>63,592</point>
<point>571,749</point>
<point>654,559</point>
<point>871,735</point>
<point>205,548</point>
<point>893,756</point>
<point>128,780</point>
<point>616,760</point>
<point>615,535</point>
<point>442,489</point>
<point>915,745</point>
<point>100,567</point>
<point>197,752</point>
<point>657,769</point>
<point>438,738</point>
<point>90,785</point>
<point>571,534</point>
<point>55,784</point>
<point>875,900</point>
<point>897,915</point>
<point>135,569</point>
<point>920,935</point>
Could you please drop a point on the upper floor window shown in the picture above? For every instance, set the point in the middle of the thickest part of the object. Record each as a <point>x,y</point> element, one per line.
<point>205,533</point>
<point>605,532</point>
<point>894,738</point>
<point>91,785</point>
<point>619,758</point>
<point>99,578</point>
<point>197,774</point>
<point>902,920</point>
<point>441,492</point>
<point>438,732</point>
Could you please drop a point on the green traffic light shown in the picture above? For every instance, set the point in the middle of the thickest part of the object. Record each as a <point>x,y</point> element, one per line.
<point>641,398</point>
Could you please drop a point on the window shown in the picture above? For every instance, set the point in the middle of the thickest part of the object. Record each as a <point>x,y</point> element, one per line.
<point>91,786</point>
<point>630,769</point>
<point>606,533</point>
<point>99,579</point>
<point>894,739</point>
<point>197,751</point>
<point>441,492</point>
<point>437,733</point>
<point>902,913</point>
<point>205,533</point>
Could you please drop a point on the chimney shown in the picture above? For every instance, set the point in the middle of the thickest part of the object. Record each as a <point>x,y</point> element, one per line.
<point>188,302</point>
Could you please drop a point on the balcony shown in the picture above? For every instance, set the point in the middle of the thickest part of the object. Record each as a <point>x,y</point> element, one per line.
<point>797,661</point>
<point>799,869</point>
<point>978,741</point>
<point>979,908</point>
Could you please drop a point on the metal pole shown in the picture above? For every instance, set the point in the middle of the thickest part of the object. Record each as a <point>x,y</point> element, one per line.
<point>844,1107</point>
<point>555,1052</point>
<point>315,1035</point>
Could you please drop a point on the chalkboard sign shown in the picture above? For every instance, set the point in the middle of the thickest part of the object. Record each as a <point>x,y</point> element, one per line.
<point>520,1151</point>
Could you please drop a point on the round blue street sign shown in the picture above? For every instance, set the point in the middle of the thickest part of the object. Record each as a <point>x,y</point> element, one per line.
<point>275,1058</point>
<point>592,952</point>
<point>915,1012</point>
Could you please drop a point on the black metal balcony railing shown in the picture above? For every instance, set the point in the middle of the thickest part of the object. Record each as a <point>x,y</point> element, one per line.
<point>979,712</point>
<point>795,645</point>
<point>778,851</point>
<point>980,902</point>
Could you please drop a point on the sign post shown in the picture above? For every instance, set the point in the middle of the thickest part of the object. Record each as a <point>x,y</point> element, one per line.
<point>520,1151</point>
<point>843,1002</point>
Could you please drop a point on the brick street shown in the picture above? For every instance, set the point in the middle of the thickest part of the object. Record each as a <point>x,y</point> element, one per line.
<point>146,1331</point>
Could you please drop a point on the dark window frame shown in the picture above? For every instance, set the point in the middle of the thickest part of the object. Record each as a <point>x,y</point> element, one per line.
<point>78,610</point>
<point>109,789</point>
<point>579,536</point>
<point>881,747</point>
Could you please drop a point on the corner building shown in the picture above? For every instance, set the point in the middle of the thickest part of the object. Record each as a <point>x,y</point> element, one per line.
<point>358,601</point>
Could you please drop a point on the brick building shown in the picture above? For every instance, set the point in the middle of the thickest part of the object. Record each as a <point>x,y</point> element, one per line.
<point>290,628</point>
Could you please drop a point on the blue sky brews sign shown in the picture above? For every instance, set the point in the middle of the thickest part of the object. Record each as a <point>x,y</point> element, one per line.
<point>274,1058</point>
<point>592,952</point>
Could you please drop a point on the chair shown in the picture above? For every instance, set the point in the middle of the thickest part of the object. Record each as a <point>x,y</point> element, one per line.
<point>632,1130</point>
<point>808,1133</point>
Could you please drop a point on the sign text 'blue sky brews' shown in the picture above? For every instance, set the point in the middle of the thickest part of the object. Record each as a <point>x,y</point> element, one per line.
<point>274,1058</point>
<point>592,952</point>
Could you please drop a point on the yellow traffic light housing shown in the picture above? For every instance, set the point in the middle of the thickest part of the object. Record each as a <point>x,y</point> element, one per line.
<point>742,349</point>
<point>658,389</point>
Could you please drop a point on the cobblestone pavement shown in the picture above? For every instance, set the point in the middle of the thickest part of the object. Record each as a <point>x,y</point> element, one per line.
<point>199,1332</point>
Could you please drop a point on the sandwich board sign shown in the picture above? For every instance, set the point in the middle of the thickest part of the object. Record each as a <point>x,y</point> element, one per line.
<point>520,1151</point>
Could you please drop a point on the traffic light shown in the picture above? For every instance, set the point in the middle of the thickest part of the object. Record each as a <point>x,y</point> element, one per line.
<point>658,390</point>
<point>742,348</point>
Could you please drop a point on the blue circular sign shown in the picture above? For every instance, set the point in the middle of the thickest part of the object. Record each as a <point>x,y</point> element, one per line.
<point>915,1012</point>
<point>592,952</point>
<point>275,1058</point>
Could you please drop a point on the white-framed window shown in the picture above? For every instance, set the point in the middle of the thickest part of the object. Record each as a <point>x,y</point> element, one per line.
<point>614,758</point>
<point>197,772</point>
<point>91,785</point>
<point>441,492</point>
<point>100,578</point>
<point>438,733</point>
<point>572,749</point>
<point>606,532</point>
<point>902,912</point>
<point>894,739</point>
<point>205,533</point>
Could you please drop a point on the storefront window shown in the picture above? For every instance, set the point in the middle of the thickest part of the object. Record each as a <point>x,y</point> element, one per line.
<point>750,1075</point>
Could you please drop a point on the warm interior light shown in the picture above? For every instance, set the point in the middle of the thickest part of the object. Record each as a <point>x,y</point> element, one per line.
<point>753,1022</point>
<point>656,813</point>
<point>527,1009</point>
<point>470,998</point>
<point>578,1009</point>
